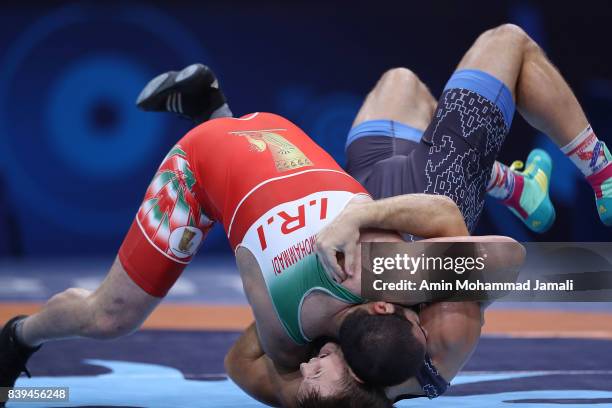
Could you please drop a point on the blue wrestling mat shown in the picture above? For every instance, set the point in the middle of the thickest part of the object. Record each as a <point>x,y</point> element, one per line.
<point>158,369</point>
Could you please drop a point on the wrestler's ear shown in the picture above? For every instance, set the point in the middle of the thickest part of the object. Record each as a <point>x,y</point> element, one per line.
<point>354,376</point>
<point>383,308</point>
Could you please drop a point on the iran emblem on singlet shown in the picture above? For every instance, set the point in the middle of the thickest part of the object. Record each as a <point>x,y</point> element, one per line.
<point>170,215</point>
<point>285,154</point>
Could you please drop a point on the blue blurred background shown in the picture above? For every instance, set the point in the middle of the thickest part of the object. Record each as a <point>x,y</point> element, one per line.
<point>76,155</point>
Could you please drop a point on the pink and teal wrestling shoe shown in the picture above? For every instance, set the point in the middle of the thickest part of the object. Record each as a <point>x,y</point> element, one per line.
<point>530,200</point>
<point>602,185</point>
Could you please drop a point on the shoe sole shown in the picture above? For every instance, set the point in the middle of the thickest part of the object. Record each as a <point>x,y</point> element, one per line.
<point>152,87</point>
<point>164,81</point>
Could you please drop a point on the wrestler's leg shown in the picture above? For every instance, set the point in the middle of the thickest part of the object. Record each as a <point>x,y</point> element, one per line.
<point>118,307</point>
<point>165,235</point>
<point>390,123</point>
<point>388,128</point>
<point>542,96</point>
<point>147,267</point>
<point>399,95</point>
<point>546,101</point>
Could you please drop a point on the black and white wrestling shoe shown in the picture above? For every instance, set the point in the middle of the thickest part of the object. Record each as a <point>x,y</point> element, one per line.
<point>193,93</point>
<point>13,358</point>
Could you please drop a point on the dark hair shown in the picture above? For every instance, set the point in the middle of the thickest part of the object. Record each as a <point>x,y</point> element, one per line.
<point>380,349</point>
<point>354,395</point>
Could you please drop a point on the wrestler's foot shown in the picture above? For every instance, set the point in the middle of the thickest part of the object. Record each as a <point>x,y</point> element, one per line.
<point>530,200</point>
<point>602,185</point>
<point>13,356</point>
<point>192,92</point>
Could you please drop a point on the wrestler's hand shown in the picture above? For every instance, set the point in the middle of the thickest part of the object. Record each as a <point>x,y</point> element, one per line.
<point>339,239</point>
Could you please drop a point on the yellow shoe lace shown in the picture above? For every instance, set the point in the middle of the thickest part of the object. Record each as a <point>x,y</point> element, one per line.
<point>539,177</point>
<point>517,165</point>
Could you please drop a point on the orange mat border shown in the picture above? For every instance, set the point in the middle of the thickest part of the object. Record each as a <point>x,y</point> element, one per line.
<point>514,323</point>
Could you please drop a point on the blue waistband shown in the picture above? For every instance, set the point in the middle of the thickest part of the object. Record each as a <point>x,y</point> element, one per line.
<point>384,127</point>
<point>487,86</point>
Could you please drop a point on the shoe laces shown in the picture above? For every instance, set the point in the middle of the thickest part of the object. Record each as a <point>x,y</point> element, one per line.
<point>517,165</point>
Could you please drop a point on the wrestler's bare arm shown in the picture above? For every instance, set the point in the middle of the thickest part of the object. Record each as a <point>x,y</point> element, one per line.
<point>246,365</point>
<point>454,327</point>
<point>453,332</point>
<point>503,254</point>
<point>506,258</point>
<point>255,373</point>
<point>423,215</point>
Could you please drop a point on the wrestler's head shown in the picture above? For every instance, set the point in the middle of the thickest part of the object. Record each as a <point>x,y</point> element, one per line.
<point>328,382</point>
<point>382,343</point>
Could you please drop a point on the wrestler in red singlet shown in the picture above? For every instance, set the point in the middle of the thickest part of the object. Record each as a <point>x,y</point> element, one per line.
<point>233,171</point>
